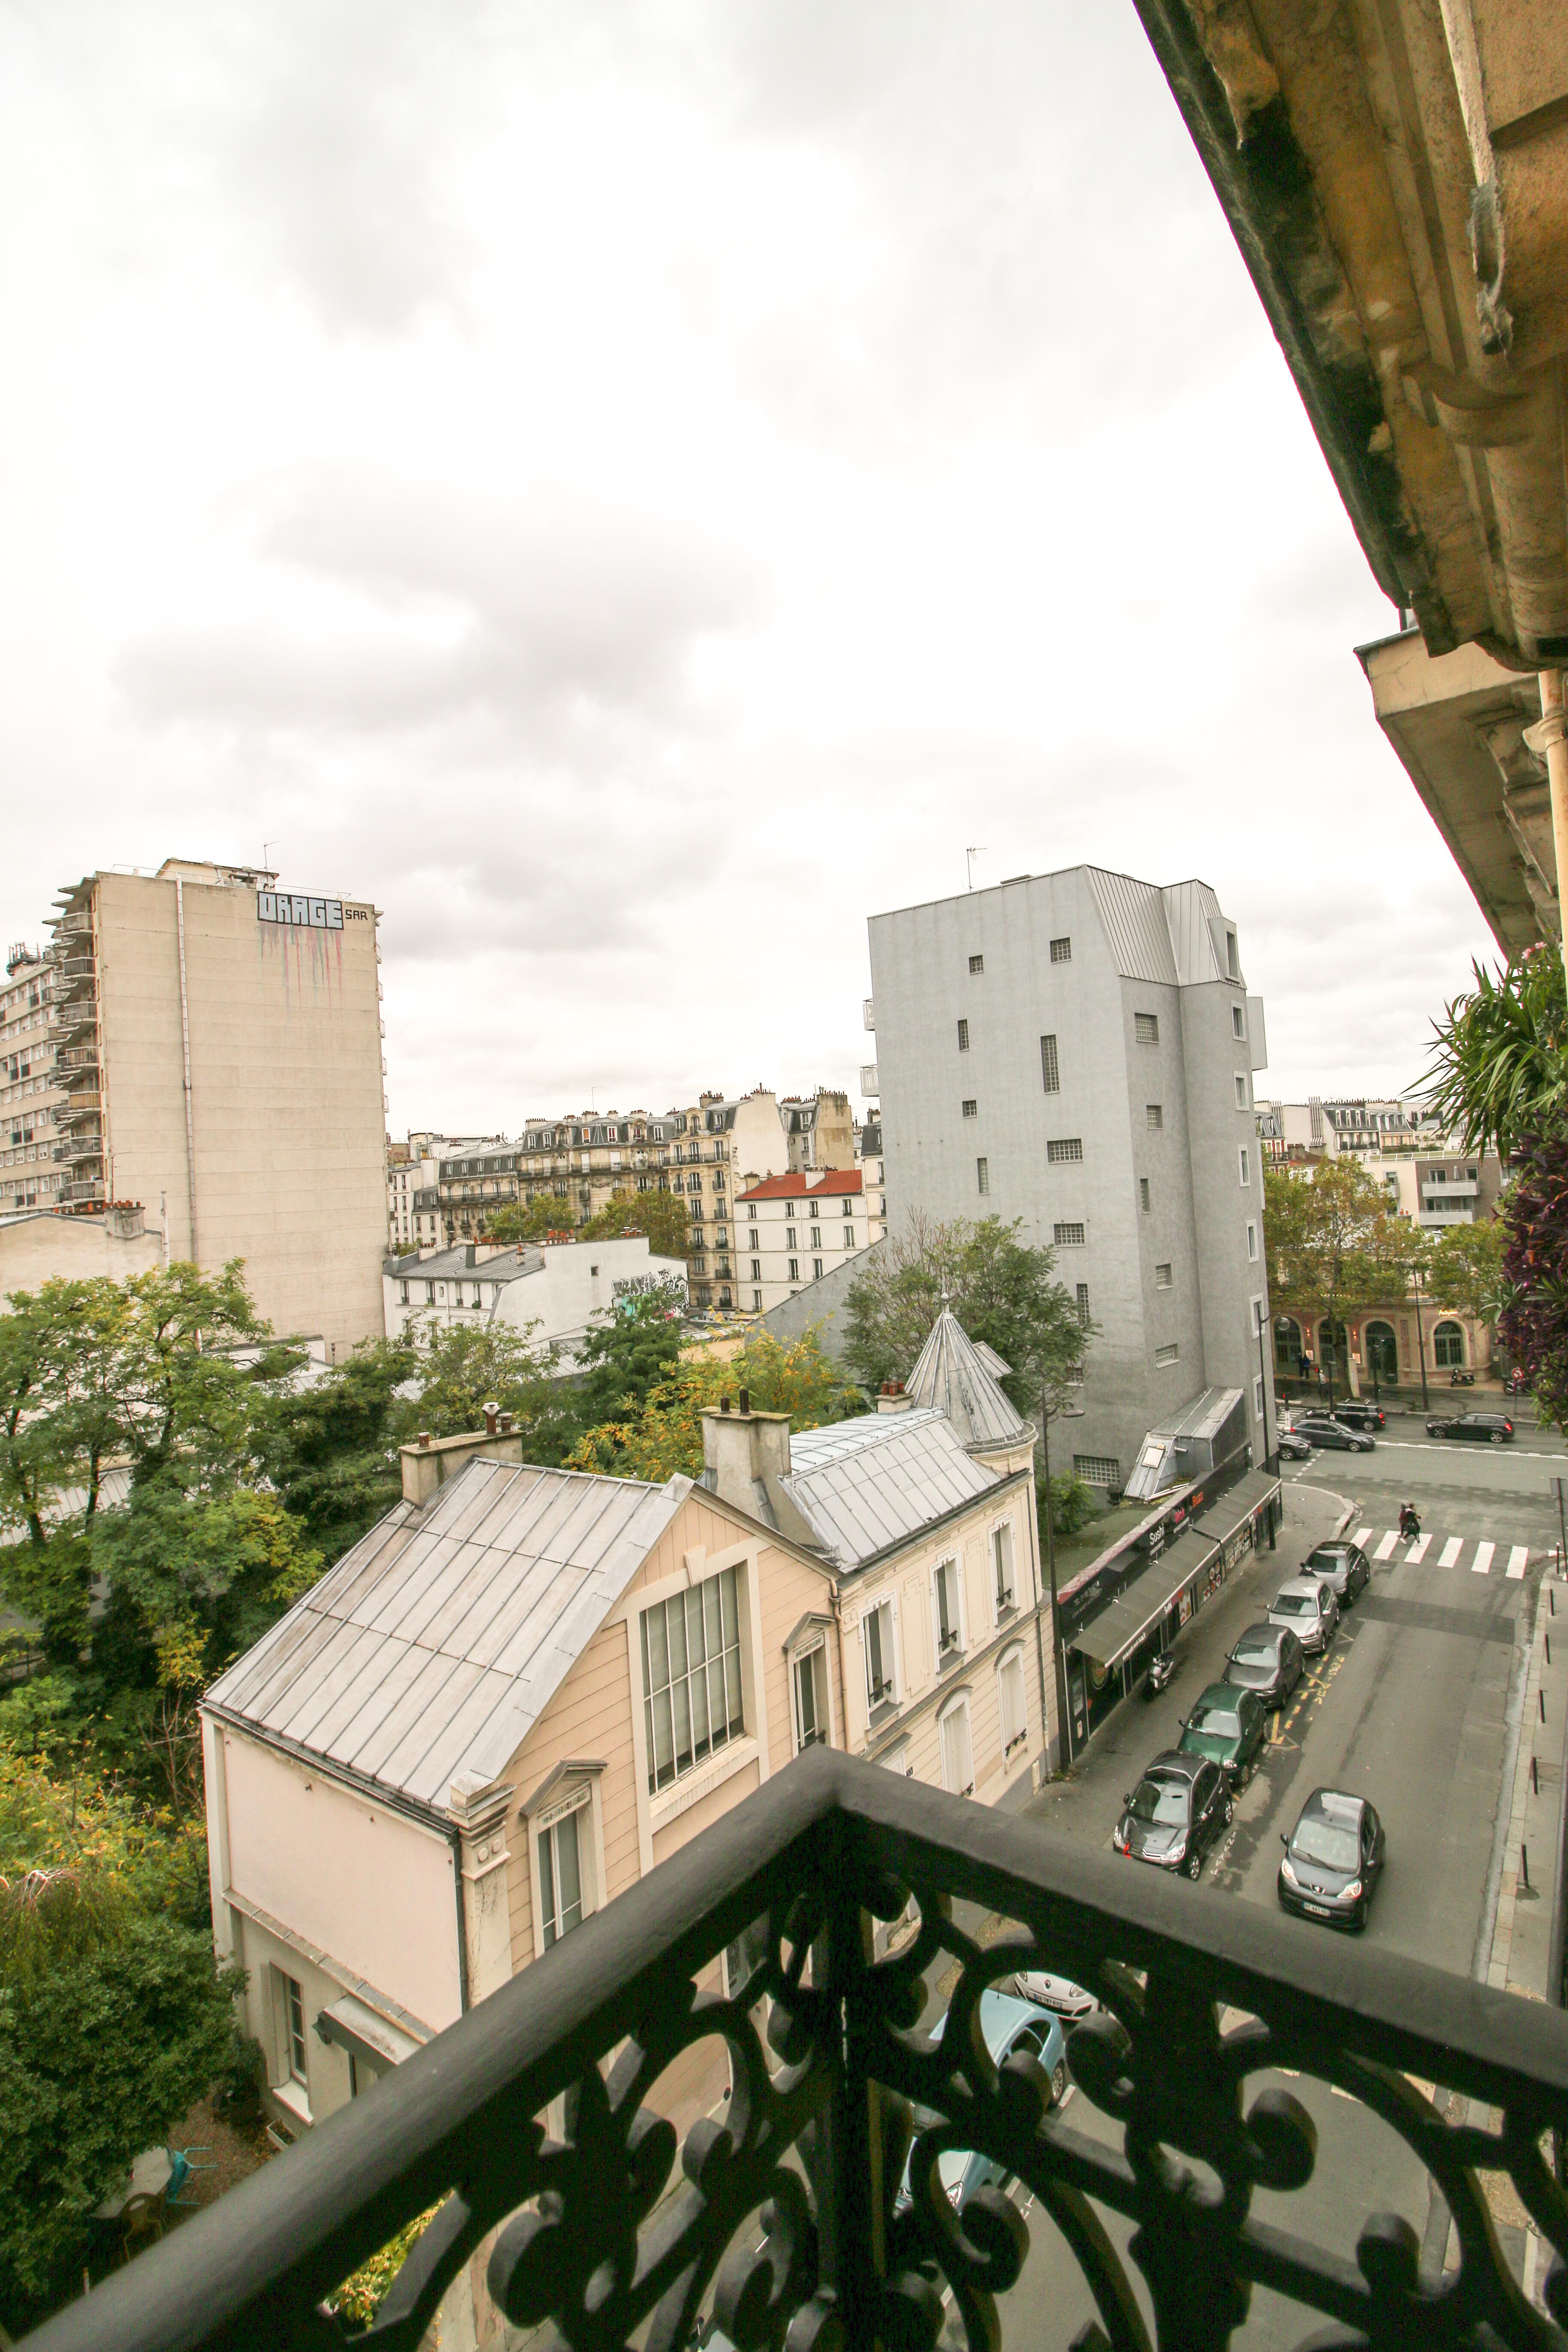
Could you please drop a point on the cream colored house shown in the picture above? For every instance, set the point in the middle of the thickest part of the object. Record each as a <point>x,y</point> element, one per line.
<point>515,1696</point>
<point>925,1509</point>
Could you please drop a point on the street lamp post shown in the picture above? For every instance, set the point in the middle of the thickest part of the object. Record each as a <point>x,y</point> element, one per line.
<point>1420,1338</point>
<point>1058,1664</point>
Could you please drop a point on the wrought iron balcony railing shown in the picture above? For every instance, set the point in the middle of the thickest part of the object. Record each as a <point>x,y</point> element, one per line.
<point>1200,1993</point>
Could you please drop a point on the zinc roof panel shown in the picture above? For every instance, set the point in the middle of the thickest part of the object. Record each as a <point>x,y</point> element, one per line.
<point>424,1707</point>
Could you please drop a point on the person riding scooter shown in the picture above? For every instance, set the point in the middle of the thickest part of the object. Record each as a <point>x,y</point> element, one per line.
<point>1409,1520</point>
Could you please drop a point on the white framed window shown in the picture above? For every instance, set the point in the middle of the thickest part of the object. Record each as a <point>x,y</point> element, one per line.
<point>1252,1240</point>
<point>752,1210</point>
<point>1069,1235</point>
<point>1257,1396</point>
<point>808,1683</point>
<point>293,2049</point>
<point>848,1236</point>
<point>1237,1022</point>
<point>792,1240</point>
<point>1144,1202</point>
<point>1169,1354</point>
<point>562,1849</point>
<point>403,1294</point>
<point>693,1677</point>
<point>1050,1068</point>
<point>817,1269</point>
<point>756,1270</point>
<point>757,1301</point>
<point>1061,951</point>
<point>947,1609</point>
<point>878,1646</point>
<point>1012,1699</point>
<point>1062,1148</point>
<point>1003,1592</point>
<point>1162,1277</point>
<point>1243,1092</point>
<point>817,1237</point>
<point>794,1269</point>
<point>957,1750</point>
<point>983,1175</point>
<point>1243,1164</point>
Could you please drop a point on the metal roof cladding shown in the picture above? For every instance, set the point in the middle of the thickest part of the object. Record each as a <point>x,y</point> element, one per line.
<point>869,1484</point>
<point>951,1374</point>
<point>433,1646</point>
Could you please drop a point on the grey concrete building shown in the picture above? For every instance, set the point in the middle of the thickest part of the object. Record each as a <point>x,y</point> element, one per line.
<point>1076,1050</point>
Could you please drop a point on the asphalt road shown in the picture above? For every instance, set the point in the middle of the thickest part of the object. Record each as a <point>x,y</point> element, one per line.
<point>1410,1708</point>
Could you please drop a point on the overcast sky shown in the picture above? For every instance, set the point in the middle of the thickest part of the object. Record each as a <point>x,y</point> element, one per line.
<point>635,489</point>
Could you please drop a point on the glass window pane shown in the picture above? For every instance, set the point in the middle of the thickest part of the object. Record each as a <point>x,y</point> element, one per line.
<point>729,1602</point>
<point>547,1885</point>
<point>700,1727</point>
<point>658,1648</point>
<point>732,1688</point>
<point>675,1619</point>
<point>680,1701</point>
<point>567,1857</point>
<point>664,1739</point>
<point>713,1609</point>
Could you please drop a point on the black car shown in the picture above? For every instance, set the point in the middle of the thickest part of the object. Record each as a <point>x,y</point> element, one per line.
<point>1344,1564</point>
<point>1333,1859</point>
<point>1230,1726</point>
<point>1322,1431</point>
<point>1179,1808</point>
<point>1486,1428</point>
<point>1359,1412</point>
<point>1293,1446</point>
<point>1267,1660</point>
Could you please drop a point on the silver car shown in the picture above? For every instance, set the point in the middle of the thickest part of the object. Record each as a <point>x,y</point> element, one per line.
<point>1308,1607</point>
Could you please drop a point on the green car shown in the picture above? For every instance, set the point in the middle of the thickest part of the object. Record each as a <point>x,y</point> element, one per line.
<point>1228,1724</point>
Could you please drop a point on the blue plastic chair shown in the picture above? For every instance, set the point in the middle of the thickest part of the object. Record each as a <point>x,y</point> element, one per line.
<point>182,2164</point>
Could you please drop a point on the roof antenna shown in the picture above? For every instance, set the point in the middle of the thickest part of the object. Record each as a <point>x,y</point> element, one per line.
<point>969,858</point>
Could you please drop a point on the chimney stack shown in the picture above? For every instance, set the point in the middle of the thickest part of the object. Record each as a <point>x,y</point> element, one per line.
<point>491,1410</point>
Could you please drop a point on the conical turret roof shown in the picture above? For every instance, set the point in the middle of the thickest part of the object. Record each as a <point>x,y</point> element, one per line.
<point>952,1375</point>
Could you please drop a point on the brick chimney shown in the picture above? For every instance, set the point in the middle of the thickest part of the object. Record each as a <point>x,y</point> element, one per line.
<point>892,1397</point>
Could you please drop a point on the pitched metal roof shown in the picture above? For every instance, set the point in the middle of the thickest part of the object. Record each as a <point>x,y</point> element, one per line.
<point>869,1483</point>
<point>949,1374</point>
<point>433,1646</point>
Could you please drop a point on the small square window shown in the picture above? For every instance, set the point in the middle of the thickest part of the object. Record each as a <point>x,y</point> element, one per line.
<point>1146,1028</point>
<point>1166,1355</point>
<point>1050,1072</point>
<point>1068,1236</point>
<point>983,1175</point>
<point>971,1107</point>
<point>1061,951</point>
<point>1144,1202</point>
<point>963,1036</point>
<point>978,964</point>
<point>1154,1117</point>
<point>1162,1277</point>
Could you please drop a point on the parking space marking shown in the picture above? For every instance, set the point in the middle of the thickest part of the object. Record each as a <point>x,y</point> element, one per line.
<point>1417,1550</point>
<point>1386,1547</point>
<point>1518,1559</point>
<point>1483,1562</point>
<point>1451,1550</point>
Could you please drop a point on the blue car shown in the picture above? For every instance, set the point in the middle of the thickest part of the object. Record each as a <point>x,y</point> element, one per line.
<point>1008,2026</point>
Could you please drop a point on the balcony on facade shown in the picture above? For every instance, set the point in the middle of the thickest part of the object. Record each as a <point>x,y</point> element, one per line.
<point>801,1933</point>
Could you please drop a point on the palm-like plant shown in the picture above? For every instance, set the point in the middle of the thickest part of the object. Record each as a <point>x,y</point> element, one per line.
<point>1501,1070</point>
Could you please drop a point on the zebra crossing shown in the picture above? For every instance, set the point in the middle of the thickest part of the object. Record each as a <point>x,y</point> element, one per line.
<point>1391,1547</point>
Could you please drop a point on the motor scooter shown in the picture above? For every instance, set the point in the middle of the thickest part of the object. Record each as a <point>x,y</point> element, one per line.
<point>1461,1379</point>
<point>1160,1673</point>
<point>1409,1522</point>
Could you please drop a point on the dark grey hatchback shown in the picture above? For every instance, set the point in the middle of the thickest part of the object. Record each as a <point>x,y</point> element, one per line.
<point>1342,1564</point>
<point>1333,1859</point>
<point>1266,1659</point>
<point>1175,1814</point>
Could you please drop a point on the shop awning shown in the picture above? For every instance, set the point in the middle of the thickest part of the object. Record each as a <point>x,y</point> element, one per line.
<point>353,2025</point>
<point>1220,1519</point>
<point>1121,1625</point>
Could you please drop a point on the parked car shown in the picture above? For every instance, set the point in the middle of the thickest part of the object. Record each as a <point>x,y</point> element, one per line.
<point>1342,1564</point>
<point>1064,1998</point>
<point>1293,1445</point>
<point>1009,2026</point>
<point>1359,1412</point>
<point>1310,1609</point>
<point>1179,1808</point>
<point>1322,1431</point>
<point>1485,1428</point>
<point>1228,1724</point>
<point>1333,1859</point>
<point>1267,1661</point>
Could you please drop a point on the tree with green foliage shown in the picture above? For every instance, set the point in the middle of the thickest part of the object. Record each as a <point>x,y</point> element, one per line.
<point>460,1368</point>
<point>532,1221</point>
<point>1001,1289</point>
<point>623,1356</point>
<point>660,1217</point>
<point>329,1446</point>
<point>114,2019</point>
<point>665,1435</point>
<point>1464,1267</point>
<point>1333,1244</point>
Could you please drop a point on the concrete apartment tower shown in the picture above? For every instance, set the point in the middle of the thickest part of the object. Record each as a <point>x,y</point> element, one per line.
<point>217,1057</point>
<point>1076,1050</point>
